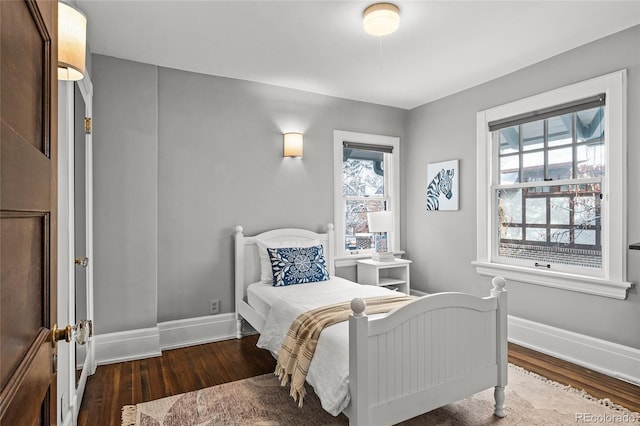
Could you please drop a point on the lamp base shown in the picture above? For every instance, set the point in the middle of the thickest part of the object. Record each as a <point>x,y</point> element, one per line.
<point>384,256</point>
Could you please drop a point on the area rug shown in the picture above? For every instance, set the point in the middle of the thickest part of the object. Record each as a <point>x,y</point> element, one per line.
<point>261,401</point>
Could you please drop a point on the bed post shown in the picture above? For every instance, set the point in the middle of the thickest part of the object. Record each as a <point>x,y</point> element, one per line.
<point>330,248</point>
<point>239,277</point>
<point>358,363</point>
<point>500,293</point>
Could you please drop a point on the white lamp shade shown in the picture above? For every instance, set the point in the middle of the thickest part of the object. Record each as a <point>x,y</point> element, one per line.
<point>293,145</point>
<point>72,42</point>
<point>380,221</point>
<point>381,19</point>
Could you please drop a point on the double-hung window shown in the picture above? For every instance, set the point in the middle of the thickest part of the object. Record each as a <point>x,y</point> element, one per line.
<point>366,180</point>
<point>552,184</point>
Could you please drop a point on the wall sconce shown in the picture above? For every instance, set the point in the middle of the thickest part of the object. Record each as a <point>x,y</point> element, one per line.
<point>293,144</point>
<point>72,43</point>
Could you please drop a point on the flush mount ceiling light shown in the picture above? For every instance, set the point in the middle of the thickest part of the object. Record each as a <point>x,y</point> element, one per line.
<point>381,19</point>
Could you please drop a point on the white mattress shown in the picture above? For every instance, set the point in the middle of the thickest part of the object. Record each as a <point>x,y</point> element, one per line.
<point>329,368</point>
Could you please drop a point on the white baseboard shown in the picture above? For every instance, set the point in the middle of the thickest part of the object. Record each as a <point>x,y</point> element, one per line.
<point>612,359</point>
<point>127,345</point>
<point>196,331</point>
<point>149,342</point>
<point>609,358</point>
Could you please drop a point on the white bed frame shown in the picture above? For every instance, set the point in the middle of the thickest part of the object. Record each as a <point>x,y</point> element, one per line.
<point>435,350</point>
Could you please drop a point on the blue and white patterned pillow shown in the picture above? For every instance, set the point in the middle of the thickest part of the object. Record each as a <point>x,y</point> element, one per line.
<point>298,265</point>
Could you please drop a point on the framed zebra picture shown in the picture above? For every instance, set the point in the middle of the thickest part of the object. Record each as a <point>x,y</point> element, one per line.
<point>442,185</point>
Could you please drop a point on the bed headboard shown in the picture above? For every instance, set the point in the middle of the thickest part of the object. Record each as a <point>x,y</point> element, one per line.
<point>247,261</point>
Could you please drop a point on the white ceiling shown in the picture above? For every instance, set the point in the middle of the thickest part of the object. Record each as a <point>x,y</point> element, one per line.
<point>441,47</point>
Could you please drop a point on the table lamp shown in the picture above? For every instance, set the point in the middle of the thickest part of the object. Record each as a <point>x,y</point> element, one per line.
<point>381,223</point>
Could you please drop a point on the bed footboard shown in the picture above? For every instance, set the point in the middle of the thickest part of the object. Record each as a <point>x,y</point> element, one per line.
<point>435,350</point>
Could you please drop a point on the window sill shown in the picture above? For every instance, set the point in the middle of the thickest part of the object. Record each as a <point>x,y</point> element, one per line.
<point>348,260</point>
<point>561,280</point>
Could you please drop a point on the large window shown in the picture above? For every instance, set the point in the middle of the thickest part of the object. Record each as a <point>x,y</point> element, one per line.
<point>552,184</point>
<point>366,181</point>
<point>549,187</point>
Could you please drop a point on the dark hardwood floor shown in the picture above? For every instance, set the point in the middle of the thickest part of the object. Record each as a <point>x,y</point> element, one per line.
<point>196,367</point>
<point>176,371</point>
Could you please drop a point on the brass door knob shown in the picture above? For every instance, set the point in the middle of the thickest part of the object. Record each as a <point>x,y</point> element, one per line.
<point>58,334</point>
<point>82,261</point>
<point>80,333</point>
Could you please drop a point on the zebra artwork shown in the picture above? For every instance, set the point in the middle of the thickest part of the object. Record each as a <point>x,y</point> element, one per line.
<point>441,184</point>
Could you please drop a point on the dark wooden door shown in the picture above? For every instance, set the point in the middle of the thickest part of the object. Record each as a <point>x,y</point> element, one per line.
<point>28,201</point>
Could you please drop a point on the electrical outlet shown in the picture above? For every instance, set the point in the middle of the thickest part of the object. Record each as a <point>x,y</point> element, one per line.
<point>214,306</point>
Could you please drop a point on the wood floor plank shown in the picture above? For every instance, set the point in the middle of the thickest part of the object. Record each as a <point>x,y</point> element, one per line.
<point>595,384</point>
<point>197,367</point>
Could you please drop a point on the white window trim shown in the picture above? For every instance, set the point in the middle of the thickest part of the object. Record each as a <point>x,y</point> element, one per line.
<point>339,136</point>
<point>612,281</point>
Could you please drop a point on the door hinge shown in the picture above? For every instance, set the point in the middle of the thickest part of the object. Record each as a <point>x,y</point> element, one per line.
<point>87,125</point>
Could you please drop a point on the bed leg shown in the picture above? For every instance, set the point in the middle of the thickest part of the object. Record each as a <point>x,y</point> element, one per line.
<point>239,329</point>
<point>498,395</point>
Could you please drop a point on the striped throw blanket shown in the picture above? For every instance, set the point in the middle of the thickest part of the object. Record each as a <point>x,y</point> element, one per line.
<point>301,340</point>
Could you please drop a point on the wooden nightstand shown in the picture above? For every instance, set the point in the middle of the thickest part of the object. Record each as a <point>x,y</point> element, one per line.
<point>394,275</point>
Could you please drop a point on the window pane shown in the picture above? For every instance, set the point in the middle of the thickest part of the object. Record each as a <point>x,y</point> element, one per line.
<point>512,233</point>
<point>560,163</point>
<point>533,167</point>
<point>509,140</point>
<point>536,209</point>
<point>590,160</point>
<point>510,206</point>
<point>586,210</point>
<point>590,124</point>
<point>536,234</point>
<point>362,173</point>
<point>560,236</point>
<point>560,130</point>
<point>586,237</point>
<point>509,169</point>
<point>533,135</point>
<point>560,214</point>
<point>357,235</point>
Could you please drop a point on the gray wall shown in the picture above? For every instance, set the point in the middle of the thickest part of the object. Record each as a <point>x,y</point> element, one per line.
<point>443,244</point>
<point>125,150</point>
<point>219,164</point>
<point>210,149</point>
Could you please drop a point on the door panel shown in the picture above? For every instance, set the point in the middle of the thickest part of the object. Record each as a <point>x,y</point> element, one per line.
<point>28,114</point>
<point>21,254</point>
<point>26,172</point>
<point>24,105</point>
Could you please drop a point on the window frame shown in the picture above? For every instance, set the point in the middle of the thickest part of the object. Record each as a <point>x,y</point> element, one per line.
<point>611,282</point>
<point>392,187</point>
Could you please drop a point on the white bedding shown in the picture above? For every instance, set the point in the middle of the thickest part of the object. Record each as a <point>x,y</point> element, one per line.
<point>329,369</point>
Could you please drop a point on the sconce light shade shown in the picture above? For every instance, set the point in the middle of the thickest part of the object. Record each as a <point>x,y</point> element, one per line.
<point>293,144</point>
<point>72,42</point>
<point>381,19</point>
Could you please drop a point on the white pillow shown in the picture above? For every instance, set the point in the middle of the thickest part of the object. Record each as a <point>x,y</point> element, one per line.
<point>266,272</point>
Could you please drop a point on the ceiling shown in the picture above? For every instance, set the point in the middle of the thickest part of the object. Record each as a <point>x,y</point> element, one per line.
<point>441,47</point>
